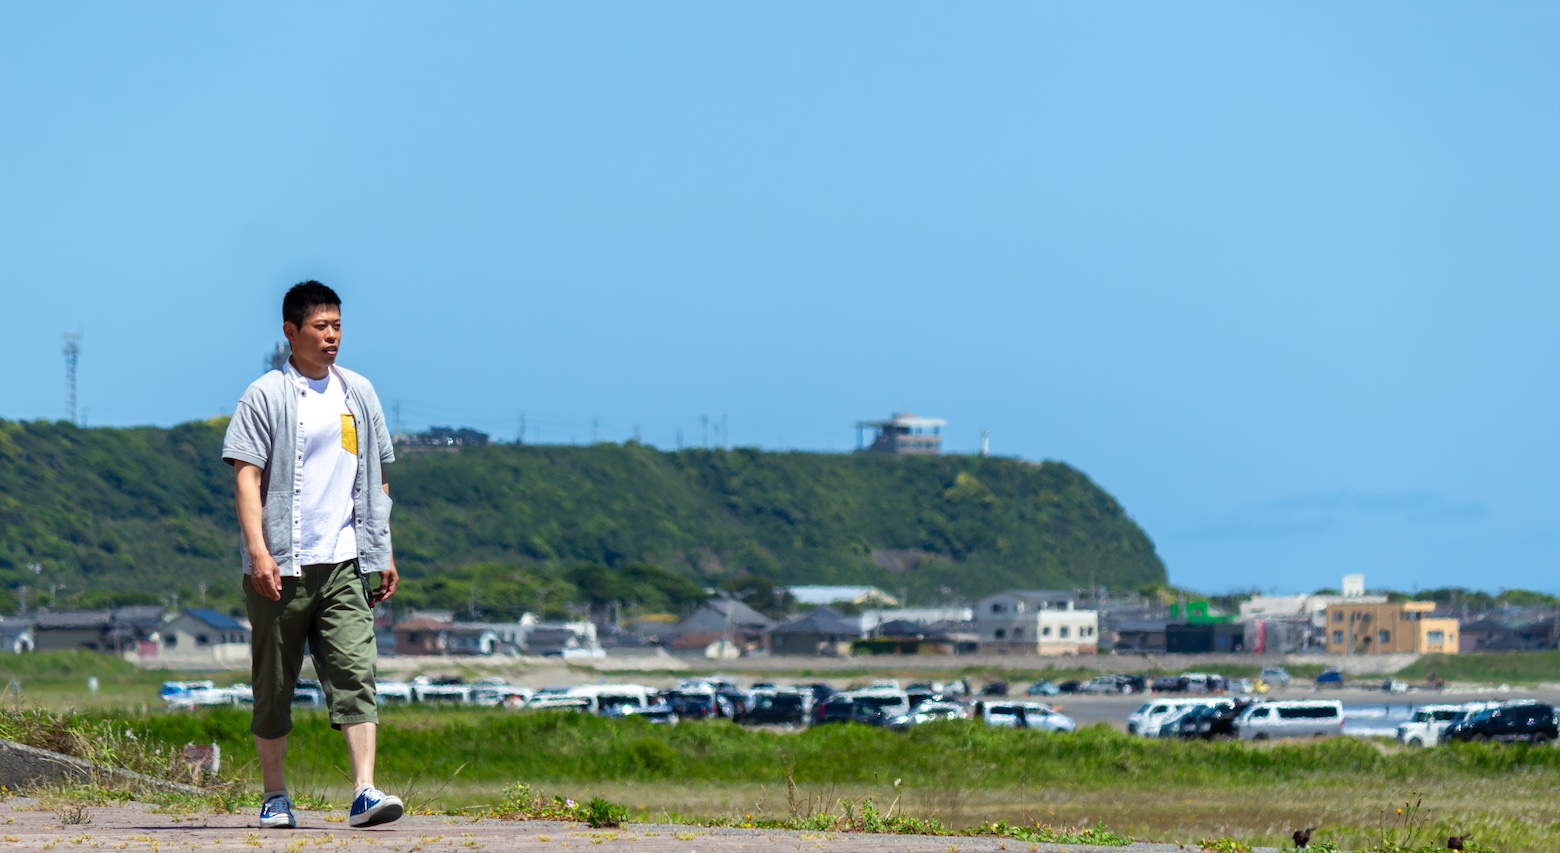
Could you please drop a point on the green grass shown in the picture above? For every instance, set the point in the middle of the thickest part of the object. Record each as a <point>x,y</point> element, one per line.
<point>59,680</point>
<point>1016,783</point>
<point>1491,668</point>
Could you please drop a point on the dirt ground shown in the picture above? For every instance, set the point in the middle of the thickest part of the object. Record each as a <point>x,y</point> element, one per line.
<point>27,824</point>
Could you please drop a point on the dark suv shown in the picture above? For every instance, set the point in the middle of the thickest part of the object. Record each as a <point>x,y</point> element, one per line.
<point>1526,721</point>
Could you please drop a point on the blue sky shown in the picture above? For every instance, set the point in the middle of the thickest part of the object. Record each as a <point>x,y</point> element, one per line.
<point>1280,278</point>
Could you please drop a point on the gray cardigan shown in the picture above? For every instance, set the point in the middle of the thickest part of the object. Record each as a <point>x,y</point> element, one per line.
<point>264,432</point>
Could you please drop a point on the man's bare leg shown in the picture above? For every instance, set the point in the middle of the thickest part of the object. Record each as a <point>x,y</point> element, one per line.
<point>273,757</point>
<point>362,741</point>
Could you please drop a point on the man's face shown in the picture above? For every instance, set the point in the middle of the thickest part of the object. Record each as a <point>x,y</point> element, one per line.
<point>315,343</point>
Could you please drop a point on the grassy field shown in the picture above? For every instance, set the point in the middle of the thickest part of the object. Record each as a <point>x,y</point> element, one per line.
<point>1524,668</point>
<point>959,773</point>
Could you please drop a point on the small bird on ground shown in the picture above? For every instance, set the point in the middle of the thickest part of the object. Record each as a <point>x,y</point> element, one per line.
<point>1302,837</point>
<point>1456,842</point>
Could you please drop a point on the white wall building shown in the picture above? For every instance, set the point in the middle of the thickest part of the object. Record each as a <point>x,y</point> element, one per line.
<point>1310,607</point>
<point>206,635</point>
<point>1036,622</point>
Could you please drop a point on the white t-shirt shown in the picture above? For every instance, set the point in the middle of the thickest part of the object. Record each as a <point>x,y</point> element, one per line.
<point>326,530</point>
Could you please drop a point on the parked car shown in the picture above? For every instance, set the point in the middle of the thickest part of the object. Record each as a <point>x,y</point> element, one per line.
<point>930,712</point>
<point>1042,688</point>
<point>778,707</point>
<point>1108,684</point>
<point>843,709</point>
<point>1429,721</point>
<point>1201,720</point>
<point>892,701</point>
<point>995,688</point>
<point>1300,718</point>
<point>692,705</point>
<point>1146,720</point>
<point>1533,722</point>
<point>1070,686</point>
<point>1169,684</point>
<point>659,713</point>
<point>1330,678</point>
<point>1024,715</point>
<point>1275,676</point>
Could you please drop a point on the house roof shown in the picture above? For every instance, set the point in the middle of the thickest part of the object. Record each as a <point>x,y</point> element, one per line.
<point>66,620</point>
<point>215,620</point>
<point>820,621</point>
<point>422,623</point>
<point>904,628</point>
<point>142,616</point>
<point>712,616</point>
<point>1037,596</point>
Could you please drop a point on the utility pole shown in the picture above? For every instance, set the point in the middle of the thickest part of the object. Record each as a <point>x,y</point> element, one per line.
<point>202,587</point>
<point>520,438</point>
<point>704,426</point>
<point>397,409</point>
<point>594,424</point>
<point>72,349</point>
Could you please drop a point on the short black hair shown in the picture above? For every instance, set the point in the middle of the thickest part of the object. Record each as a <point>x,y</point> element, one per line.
<point>303,298</point>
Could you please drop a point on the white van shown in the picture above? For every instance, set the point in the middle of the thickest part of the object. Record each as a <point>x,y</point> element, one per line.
<point>1028,715</point>
<point>605,698</point>
<point>1300,718</point>
<point>1145,721</point>
<point>892,701</point>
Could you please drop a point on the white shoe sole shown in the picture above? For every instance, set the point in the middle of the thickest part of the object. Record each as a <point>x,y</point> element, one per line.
<point>389,809</point>
<point>278,823</point>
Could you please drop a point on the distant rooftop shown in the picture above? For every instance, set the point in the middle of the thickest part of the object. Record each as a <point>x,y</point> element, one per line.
<point>818,594</point>
<point>904,433</point>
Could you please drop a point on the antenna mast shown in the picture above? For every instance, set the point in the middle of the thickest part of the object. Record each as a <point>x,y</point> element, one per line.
<point>72,350</point>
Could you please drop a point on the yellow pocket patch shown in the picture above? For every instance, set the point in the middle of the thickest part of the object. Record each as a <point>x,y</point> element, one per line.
<point>349,434</point>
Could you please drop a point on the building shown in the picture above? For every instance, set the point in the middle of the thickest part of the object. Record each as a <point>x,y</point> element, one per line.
<point>1141,636</point>
<point>819,632</point>
<point>903,434</point>
<point>1036,622</point>
<point>1404,627</point>
<point>74,630</point>
<point>422,635</point>
<point>721,620</point>
<point>860,596</point>
<point>1196,638</point>
<point>204,634</point>
<point>946,618</point>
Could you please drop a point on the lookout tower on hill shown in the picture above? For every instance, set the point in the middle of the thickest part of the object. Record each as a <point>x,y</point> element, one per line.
<point>904,434</point>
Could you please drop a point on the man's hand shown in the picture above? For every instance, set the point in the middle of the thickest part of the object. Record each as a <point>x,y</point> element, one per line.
<point>265,577</point>
<point>388,580</point>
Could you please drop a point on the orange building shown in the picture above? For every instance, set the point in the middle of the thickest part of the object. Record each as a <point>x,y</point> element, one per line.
<point>1403,627</point>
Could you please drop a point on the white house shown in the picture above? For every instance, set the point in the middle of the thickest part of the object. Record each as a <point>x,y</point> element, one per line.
<point>1036,622</point>
<point>204,634</point>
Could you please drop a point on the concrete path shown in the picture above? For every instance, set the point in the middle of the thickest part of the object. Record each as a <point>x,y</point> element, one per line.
<point>27,824</point>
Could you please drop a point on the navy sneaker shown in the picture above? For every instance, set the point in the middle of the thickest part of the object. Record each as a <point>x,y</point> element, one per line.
<point>373,807</point>
<point>276,813</point>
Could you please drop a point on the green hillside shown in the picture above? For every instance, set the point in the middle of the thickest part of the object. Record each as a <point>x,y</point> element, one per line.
<point>117,515</point>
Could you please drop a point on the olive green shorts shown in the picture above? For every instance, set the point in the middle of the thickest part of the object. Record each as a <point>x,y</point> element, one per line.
<point>328,609</point>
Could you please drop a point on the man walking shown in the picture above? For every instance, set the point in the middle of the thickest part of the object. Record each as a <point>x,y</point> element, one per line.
<point>308,446</point>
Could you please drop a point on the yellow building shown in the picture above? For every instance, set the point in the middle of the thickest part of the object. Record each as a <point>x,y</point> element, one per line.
<point>1403,627</point>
